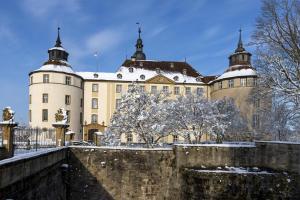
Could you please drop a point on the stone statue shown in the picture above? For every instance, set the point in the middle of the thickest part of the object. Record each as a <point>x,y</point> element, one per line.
<point>8,115</point>
<point>61,116</point>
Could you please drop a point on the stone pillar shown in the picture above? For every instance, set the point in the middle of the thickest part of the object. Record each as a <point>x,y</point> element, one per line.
<point>8,137</point>
<point>69,137</point>
<point>60,130</point>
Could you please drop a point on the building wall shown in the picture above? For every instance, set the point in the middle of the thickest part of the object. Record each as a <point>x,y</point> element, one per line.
<point>56,90</point>
<point>239,93</point>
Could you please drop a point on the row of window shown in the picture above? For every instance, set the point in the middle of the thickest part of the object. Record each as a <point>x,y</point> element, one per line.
<point>154,89</point>
<point>45,99</point>
<point>46,79</point>
<point>243,83</point>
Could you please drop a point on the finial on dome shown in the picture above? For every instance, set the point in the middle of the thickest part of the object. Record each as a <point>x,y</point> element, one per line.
<point>58,42</point>
<point>240,47</point>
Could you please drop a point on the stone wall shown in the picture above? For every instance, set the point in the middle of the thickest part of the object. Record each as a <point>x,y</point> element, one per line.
<point>33,176</point>
<point>104,173</point>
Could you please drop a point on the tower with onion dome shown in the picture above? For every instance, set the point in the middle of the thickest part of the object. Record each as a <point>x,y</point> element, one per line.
<point>237,82</point>
<point>55,85</point>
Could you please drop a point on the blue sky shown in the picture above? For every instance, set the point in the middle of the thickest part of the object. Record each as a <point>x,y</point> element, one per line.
<point>204,32</point>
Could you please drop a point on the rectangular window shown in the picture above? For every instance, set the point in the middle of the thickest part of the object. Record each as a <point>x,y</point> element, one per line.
<point>31,79</point>
<point>176,90</point>
<point>118,103</point>
<point>199,91</point>
<point>243,82</point>
<point>166,89</point>
<point>188,90</point>
<point>68,112</point>
<point>118,88</point>
<point>30,98</point>
<point>153,89</point>
<point>255,121</point>
<point>68,80</point>
<point>29,116</point>
<point>130,86</point>
<point>45,98</point>
<point>142,88</point>
<point>129,138</point>
<point>231,83</point>
<point>254,82</point>
<point>80,118</point>
<point>256,103</point>
<point>67,99</point>
<point>45,115</point>
<point>95,88</point>
<point>94,119</point>
<point>175,138</point>
<point>220,85</point>
<point>81,102</point>
<point>45,78</point>
<point>94,103</point>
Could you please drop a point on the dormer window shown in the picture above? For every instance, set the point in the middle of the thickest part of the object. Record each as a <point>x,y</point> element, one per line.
<point>142,77</point>
<point>175,78</point>
<point>96,75</point>
<point>158,70</point>
<point>184,71</point>
<point>130,69</point>
<point>141,64</point>
<point>172,65</point>
<point>198,79</point>
<point>119,76</point>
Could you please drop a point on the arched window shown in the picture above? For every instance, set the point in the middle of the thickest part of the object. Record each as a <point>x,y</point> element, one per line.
<point>142,77</point>
<point>119,76</point>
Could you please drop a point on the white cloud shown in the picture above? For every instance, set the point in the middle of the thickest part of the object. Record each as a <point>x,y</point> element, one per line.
<point>103,40</point>
<point>41,8</point>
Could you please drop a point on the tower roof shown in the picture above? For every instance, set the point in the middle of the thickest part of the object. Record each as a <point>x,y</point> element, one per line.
<point>58,42</point>
<point>139,54</point>
<point>240,47</point>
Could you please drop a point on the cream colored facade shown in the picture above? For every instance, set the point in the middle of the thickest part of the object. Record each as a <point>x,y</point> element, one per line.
<point>93,96</point>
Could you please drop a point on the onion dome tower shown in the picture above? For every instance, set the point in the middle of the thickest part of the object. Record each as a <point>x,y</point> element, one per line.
<point>139,54</point>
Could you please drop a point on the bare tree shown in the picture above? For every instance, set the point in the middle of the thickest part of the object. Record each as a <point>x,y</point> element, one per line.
<point>277,38</point>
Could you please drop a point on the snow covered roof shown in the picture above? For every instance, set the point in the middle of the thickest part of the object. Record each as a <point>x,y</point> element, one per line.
<point>138,74</point>
<point>168,66</point>
<point>56,68</point>
<point>238,73</point>
<point>57,48</point>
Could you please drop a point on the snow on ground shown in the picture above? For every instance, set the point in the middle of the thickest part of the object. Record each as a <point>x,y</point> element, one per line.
<point>217,145</point>
<point>29,155</point>
<point>123,148</point>
<point>234,170</point>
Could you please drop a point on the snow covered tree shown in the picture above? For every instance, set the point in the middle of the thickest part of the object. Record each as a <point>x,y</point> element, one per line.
<point>194,115</point>
<point>143,114</point>
<point>277,38</point>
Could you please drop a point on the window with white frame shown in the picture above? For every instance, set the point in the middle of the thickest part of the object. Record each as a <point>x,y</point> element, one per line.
<point>176,90</point>
<point>45,115</point>
<point>142,88</point>
<point>118,103</point>
<point>166,89</point>
<point>68,80</point>
<point>199,91</point>
<point>68,99</point>
<point>188,90</point>
<point>68,112</point>
<point>231,83</point>
<point>129,138</point>
<point>95,87</point>
<point>94,119</point>
<point>45,98</point>
<point>243,82</point>
<point>118,88</point>
<point>94,103</point>
<point>45,78</point>
<point>220,85</point>
<point>153,89</point>
<point>255,121</point>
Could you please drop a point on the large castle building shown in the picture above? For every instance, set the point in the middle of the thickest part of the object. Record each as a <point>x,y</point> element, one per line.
<point>91,98</point>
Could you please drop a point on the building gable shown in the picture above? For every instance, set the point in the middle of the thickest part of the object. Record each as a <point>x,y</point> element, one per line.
<point>160,79</point>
